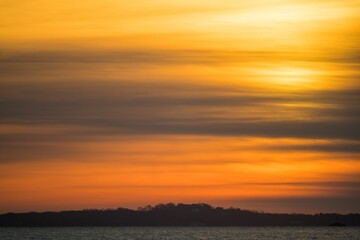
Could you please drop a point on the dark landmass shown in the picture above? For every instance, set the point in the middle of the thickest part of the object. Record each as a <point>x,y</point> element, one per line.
<point>337,224</point>
<point>173,215</point>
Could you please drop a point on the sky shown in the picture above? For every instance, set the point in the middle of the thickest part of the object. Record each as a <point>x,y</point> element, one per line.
<point>114,103</point>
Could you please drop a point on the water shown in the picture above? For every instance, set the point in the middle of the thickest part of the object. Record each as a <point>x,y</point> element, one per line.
<point>177,233</point>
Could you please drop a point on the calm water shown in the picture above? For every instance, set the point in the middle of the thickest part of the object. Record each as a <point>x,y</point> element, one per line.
<point>159,233</point>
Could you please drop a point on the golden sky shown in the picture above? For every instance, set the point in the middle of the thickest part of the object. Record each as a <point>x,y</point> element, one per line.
<point>112,103</point>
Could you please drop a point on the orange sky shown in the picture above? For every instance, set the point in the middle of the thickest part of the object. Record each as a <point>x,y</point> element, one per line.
<point>113,103</point>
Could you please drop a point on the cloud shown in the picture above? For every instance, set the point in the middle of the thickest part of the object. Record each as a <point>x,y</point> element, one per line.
<point>171,56</point>
<point>325,204</point>
<point>92,107</point>
<point>349,147</point>
<point>127,107</point>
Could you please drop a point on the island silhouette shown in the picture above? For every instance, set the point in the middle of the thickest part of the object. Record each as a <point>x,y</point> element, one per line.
<point>171,214</point>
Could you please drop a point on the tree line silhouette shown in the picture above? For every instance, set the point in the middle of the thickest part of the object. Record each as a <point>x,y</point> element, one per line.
<point>173,215</point>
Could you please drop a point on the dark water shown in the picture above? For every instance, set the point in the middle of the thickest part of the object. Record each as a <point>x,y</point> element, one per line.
<point>228,233</point>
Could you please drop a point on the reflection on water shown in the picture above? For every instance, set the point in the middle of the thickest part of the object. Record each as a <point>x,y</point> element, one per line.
<point>180,233</point>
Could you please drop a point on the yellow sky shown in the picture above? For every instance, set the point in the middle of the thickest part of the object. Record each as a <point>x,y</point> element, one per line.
<point>111,103</point>
<point>201,24</point>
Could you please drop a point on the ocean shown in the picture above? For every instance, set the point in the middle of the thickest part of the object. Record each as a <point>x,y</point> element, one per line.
<point>180,233</point>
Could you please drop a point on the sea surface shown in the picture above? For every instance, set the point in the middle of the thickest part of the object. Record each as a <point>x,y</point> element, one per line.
<point>160,233</point>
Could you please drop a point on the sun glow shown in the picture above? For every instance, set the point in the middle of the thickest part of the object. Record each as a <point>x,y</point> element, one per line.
<point>290,76</point>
